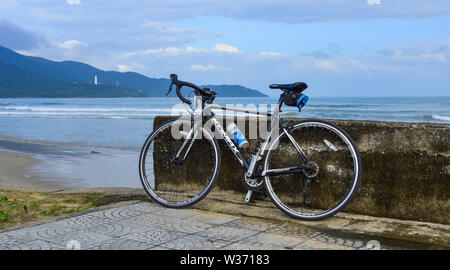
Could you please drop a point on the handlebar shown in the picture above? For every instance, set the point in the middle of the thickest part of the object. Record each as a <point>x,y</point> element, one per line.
<point>179,84</point>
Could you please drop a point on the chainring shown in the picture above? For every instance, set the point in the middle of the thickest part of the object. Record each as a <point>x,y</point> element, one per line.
<point>312,169</point>
<point>255,184</point>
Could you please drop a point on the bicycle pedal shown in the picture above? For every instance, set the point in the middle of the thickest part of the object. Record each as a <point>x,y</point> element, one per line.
<point>248,196</point>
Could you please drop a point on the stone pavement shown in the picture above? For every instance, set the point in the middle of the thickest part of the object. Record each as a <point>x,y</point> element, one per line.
<point>149,226</point>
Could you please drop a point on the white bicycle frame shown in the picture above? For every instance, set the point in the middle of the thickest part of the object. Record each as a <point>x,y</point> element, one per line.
<point>271,133</point>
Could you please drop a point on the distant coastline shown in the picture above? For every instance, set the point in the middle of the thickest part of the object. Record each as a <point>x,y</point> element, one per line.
<point>31,77</point>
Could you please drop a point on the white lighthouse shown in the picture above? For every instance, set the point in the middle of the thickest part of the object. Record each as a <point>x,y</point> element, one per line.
<point>95,80</point>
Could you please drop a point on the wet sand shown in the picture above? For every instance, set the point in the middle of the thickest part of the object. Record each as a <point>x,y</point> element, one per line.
<point>15,174</point>
<point>46,166</point>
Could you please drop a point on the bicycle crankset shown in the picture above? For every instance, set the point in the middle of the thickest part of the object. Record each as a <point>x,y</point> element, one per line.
<point>311,169</point>
<point>253,184</point>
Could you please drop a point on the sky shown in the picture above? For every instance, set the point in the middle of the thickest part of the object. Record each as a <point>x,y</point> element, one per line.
<point>338,47</point>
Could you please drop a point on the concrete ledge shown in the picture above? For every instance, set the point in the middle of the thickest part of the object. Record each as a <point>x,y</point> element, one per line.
<point>405,169</point>
<point>110,195</point>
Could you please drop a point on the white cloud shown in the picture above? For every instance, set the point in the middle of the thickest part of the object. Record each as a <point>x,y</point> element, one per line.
<point>190,49</point>
<point>424,63</point>
<point>325,64</point>
<point>74,2</point>
<point>123,68</point>
<point>172,51</point>
<point>18,38</point>
<point>270,54</point>
<point>204,68</point>
<point>71,44</point>
<point>430,52</point>
<point>374,2</point>
<point>225,48</point>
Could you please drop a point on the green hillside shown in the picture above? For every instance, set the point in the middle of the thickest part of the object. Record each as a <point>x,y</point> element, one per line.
<point>15,82</point>
<point>76,76</point>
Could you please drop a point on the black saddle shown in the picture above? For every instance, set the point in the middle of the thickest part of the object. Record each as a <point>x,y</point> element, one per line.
<point>296,87</point>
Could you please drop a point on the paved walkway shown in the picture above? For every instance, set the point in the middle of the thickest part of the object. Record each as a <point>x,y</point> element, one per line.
<point>150,226</point>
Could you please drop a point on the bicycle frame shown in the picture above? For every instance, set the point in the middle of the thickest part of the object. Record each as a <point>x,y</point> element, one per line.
<point>275,123</point>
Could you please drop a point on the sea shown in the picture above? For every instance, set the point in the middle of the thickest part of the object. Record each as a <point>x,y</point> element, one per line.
<point>126,122</point>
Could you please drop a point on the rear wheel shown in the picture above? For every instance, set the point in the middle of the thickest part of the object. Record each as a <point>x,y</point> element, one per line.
<point>178,183</point>
<point>330,179</point>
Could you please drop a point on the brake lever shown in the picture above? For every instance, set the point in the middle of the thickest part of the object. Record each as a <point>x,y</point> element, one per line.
<point>170,89</point>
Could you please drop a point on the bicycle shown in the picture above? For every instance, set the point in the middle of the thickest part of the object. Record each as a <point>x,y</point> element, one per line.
<point>310,169</point>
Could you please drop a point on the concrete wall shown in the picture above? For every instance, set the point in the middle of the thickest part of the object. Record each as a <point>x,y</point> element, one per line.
<point>405,169</point>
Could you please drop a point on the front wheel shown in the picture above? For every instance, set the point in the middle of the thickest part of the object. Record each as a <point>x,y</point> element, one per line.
<point>178,170</point>
<point>331,175</point>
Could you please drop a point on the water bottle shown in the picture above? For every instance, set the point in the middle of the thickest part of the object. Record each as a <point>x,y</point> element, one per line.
<point>237,135</point>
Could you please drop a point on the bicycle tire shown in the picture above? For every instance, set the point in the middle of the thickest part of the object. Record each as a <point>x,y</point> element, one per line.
<point>152,192</point>
<point>355,182</point>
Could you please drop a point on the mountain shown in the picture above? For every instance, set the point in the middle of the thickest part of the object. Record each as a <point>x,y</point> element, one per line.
<point>15,82</point>
<point>77,74</point>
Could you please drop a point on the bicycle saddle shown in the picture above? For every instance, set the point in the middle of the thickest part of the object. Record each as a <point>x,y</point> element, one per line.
<point>297,87</point>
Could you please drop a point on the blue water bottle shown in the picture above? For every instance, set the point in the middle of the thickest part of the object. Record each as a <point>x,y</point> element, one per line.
<point>237,135</point>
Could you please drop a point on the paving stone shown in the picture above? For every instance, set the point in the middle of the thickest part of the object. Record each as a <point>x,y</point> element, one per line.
<point>186,226</point>
<point>82,222</point>
<point>252,246</point>
<point>176,213</point>
<point>213,218</point>
<point>118,228</point>
<point>324,237</point>
<point>319,245</point>
<point>294,230</point>
<point>342,239</point>
<point>33,245</point>
<point>251,224</point>
<point>9,240</point>
<point>155,237</point>
<point>123,244</point>
<point>150,226</point>
<point>276,241</point>
<point>226,233</point>
<point>145,207</point>
<point>86,239</point>
<point>160,248</point>
<point>118,213</point>
<point>194,242</point>
<point>44,231</point>
<point>150,219</point>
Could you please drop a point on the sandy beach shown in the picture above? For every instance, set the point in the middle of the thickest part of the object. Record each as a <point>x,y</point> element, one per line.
<point>35,165</point>
<point>14,174</point>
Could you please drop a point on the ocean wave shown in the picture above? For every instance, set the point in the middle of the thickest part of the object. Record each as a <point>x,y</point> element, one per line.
<point>50,103</point>
<point>79,115</point>
<point>441,117</point>
<point>338,105</point>
<point>87,109</point>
